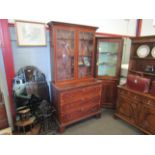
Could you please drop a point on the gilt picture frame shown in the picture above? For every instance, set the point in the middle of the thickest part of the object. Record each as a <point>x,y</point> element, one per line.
<point>30,33</point>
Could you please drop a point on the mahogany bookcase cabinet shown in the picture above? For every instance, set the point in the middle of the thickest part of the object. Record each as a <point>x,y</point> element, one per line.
<point>135,107</point>
<point>76,94</point>
<point>108,67</point>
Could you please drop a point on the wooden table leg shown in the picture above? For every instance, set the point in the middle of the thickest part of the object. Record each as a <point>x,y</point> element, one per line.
<point>61,129</point>
<point>98,115</point>
<point>115,117</point>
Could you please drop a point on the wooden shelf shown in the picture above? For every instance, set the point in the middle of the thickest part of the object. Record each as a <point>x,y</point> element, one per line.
<point>22,108</point>
<point>34,131</point>
<point>24,111</point>
<point>107,64</point>
<point>27,122</point>
<point>110,53</point>
<point>143,73</point>
<point>147,58</point>
<point>65,39</point>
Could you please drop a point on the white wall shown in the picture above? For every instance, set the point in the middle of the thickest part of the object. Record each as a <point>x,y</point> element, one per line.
<point>114,26</point>
<point>147,27</point>
<point>117,26</point>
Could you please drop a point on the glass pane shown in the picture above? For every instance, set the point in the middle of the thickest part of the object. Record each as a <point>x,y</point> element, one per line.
<point>107,58</point>
<point>85,54</point>
<point>65,55</point>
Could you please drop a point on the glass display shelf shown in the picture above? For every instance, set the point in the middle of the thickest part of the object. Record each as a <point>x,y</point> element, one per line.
<point>104,70</point>
<point>108,53</point>
<point>106,64</point>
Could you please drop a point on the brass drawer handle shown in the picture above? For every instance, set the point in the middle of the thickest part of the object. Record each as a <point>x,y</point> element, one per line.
<point>149,102</point>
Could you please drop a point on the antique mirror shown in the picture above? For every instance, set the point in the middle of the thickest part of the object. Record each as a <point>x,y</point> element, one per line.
<point>29,84</point>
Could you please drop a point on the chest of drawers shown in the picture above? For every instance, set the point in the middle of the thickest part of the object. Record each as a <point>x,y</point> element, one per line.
<point>75,103</point>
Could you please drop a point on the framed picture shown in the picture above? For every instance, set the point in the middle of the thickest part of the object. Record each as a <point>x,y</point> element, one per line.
<point>30,33</point>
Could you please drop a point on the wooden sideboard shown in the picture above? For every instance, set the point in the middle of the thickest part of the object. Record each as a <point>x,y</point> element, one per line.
<point>76,102</point>
<point>136,108</point>
<point>3,115</point>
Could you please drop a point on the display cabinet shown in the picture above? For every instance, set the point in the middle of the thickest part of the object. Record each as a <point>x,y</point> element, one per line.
<point>108,66</point>
<point>72,52</point>
<point>136,104</point>
<point>142,57</point>
<point>76,94</point>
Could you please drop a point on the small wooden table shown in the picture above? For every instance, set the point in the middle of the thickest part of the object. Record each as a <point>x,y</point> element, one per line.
<point>23,123</point>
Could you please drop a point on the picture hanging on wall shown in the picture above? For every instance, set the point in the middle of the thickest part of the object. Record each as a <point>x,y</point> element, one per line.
<point>30,33</point>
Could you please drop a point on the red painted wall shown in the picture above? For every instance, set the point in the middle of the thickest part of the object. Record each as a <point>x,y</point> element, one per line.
<point>8,59</point>
<point>139,27</point>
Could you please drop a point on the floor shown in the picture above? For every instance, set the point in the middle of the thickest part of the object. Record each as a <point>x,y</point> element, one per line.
<point>106,125</point>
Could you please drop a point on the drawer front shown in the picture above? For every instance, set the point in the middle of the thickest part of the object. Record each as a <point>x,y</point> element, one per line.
<point>80,112</point>
<point>83,101</point>
<point>148,102</point>
<point>130,96</point>
<point>74,95</point>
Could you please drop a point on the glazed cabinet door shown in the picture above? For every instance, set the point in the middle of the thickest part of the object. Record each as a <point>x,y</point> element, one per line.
<point>147,117</point>
<point>109,52</point>
<point>65,54</point>
<point>85,54</point>
<point>109,94</point>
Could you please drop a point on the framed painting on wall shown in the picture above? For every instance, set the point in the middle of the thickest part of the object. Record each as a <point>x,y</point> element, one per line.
<point>30,33</point>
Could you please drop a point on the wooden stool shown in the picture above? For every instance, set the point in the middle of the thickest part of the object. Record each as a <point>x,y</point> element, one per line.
<point>24,113</point>
<point>24,123</point>
<point>21,108</point>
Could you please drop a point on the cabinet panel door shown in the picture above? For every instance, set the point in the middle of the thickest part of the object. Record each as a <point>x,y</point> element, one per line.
<point>108,55</point>
<point>128,109</point>
<point>85,54</point>
<point>65,55</point>
<point>109,94</point>
<point>147,118</point>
